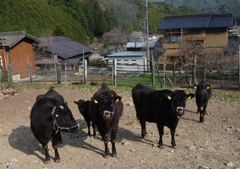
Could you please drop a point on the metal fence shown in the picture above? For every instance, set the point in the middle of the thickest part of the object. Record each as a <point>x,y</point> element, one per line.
<point>118,75</point>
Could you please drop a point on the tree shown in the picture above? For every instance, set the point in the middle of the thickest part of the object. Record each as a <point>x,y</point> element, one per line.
<point>58,31</point>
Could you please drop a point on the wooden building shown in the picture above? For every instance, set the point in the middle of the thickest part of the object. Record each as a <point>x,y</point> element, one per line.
<point>210,30</point>
<point>69,52</point>
<point>17,50</point>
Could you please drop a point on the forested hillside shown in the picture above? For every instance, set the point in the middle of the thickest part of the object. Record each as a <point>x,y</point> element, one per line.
<point>78,20</point>
<point>81,20</point>
<point>130,14</point>
<point>209,6</point>
<point>231,6</point>
<point>195,3</point>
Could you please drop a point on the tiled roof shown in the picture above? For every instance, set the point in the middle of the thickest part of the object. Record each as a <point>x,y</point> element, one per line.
<point>9,39</point>
<point>197,21</point>
<point>64,47</point>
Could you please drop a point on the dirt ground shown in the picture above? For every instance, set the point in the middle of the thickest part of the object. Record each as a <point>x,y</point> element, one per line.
<point>214,144</point>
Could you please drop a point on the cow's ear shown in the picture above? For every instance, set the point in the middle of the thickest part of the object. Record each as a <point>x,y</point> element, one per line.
<point>117,99</point>
<point>190,96</point>
<point>208,87</point>
<point>95,101</point>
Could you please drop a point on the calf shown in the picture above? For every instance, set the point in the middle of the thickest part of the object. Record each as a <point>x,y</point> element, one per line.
<point>105,110</point>
<point>162,107</point>
<point>49,116</point>
<point>83,107</point>
<point>203,94</point>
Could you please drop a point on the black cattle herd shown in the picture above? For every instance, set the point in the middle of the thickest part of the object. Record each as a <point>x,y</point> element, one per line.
<point>50,114</point>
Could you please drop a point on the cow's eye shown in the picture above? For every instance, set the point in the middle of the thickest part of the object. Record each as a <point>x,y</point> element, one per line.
<point>67,116</point>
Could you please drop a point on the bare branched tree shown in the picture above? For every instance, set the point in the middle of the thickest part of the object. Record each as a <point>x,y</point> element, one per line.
<point>116,37</point>
<point>221,62</point>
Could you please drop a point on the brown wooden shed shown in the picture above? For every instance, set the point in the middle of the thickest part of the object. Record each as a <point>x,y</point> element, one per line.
<point>17,49</point>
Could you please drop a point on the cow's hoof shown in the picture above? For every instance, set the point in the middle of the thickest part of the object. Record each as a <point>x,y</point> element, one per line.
<point>174,146</point>
<point>114,155</point>
<point>57,160</point>
<point>161,146</point>
<point>105,155</point>
<point>47,161</point>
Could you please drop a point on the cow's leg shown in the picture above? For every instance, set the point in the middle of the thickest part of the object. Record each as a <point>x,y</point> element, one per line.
<point>143,127</point>
<point>113,137</point>
<point>173,138</point>
<point>94,128</point>
<point>47,156</point>
<point>57,139</point>
<point>105,140</point>
<point>202,113</point>
<point>161,133</point>
<point>198,109</point>
<point>88,125</point>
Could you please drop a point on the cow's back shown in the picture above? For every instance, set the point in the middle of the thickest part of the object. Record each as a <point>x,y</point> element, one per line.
<point>52,95</point>
<point>144,100</point>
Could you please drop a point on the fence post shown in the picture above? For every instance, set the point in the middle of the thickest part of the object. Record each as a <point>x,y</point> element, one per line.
<point>30,72</point>
<point>58,68</point>
<point>153,70</point>
<point>0,75</point>
<point>10,79</point>
<point>239,67</point>
<point>114,73</point>
<point>84,71</point>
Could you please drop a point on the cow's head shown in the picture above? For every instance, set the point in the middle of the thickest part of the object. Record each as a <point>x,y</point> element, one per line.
<point>62,117</point>
<point>106,103</point>
<point>82,106</point>
<point>178,100</point>
<point>202,88</point>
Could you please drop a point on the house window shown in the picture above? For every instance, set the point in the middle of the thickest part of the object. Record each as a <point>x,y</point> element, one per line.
<point>175,38</point>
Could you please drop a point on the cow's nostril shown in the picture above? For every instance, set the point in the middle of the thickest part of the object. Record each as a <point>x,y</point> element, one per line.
<point>180,109</point>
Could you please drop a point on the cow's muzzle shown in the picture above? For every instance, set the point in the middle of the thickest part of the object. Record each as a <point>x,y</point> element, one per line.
<point>180,111</point>
<point>107,114</point>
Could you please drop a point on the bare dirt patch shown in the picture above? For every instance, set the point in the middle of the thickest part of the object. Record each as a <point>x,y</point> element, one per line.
<point>214,144</point>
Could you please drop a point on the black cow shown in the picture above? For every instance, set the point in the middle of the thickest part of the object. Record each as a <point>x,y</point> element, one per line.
<point>105,110</point>
<point>203,94</point>
<point>160,106</point>
<point>139,94</point>
<point>49,116</point>
<point>83,107</point>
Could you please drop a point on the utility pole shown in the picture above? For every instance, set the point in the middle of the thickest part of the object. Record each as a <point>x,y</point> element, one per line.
<point>147,31</point>
<point>147,44</point>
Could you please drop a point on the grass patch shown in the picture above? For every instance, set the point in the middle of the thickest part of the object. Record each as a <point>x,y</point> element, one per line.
<point>145,79</point>
<point>230,96</point>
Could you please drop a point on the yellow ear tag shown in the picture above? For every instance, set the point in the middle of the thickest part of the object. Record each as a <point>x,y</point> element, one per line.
<point>169,97</point>
<point>117,100</point>
<point>208,87</point>
<point>195,87</point>
<point>95,101</point>
<point>56,115</point>
<point>189,97</point>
